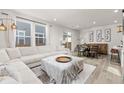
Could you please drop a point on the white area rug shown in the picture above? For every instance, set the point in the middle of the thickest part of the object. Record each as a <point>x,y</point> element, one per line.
<point>114,71</point>
<point>85,74</point>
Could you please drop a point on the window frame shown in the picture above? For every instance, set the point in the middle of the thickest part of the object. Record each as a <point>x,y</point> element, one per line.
<point>28,22</point>
<point>21,31</point>
<point>67,35</point>
<point>38,33</point>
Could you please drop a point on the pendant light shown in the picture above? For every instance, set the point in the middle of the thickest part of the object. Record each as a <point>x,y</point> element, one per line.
<point>3,27</point>
<point>13,26</point>
<point>119,28</point>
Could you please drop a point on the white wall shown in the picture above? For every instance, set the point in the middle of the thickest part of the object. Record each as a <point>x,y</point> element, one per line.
<point>54,34</point>
<point>115,36</point>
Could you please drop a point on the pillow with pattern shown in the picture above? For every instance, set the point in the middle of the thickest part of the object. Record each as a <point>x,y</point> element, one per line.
<point>8,70</point>
<point>3,71</point>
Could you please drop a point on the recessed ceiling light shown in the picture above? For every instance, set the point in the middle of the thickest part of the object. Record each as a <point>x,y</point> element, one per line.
<point>115,21</point>
<point>54,19</point>
<point>94,22</point>
<point>116,10</point>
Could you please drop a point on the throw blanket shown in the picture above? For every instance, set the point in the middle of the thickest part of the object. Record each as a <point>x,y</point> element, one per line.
<point>62,73</point>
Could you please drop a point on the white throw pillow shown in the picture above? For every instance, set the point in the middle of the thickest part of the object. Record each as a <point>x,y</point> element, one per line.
<point>3,56</point>
<point>13,53</point>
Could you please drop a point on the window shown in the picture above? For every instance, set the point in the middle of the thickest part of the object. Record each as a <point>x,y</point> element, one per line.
<point>29,33</point>
<point>40,34</point>
<point>23,33</point>
<point>67,38</point>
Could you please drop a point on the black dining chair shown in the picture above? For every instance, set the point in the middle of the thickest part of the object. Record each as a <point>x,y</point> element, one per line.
<point>94,51</point>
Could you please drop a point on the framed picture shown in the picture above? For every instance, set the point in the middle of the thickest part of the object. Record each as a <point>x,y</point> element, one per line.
<point>107,35</point>
<point>99,35</point>
<point>91,36</point>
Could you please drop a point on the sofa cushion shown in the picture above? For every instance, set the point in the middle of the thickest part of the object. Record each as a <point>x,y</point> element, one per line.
<point>26,75</point>
<point>14,60</point>
<point>31,59</point>
<point>3,56</point>
<point>8,80</point>
<point>6,70</point>
<point>3,71</point>
<point>13,72</point>
<point>59,52</point>
<point>34,64</point>
<point>13,53</point>
<point>26,51</point>
<point>46,54</point>
<point>45,49</point>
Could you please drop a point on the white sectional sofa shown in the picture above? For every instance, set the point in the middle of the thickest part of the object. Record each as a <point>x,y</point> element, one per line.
<point>32,56</point>
<point>27,61</point>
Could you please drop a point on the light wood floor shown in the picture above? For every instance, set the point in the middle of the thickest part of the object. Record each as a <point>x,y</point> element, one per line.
<point>107,72</point>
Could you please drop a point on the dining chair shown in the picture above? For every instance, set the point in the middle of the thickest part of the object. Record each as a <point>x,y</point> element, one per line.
<point>94,51</point>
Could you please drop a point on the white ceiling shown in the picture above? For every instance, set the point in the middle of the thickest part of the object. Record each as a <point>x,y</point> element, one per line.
<point>75,18</point>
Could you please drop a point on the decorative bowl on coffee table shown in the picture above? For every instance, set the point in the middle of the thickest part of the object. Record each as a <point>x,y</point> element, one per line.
<point>63,59</point>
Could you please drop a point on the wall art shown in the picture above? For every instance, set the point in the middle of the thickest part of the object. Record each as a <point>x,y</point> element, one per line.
<point>91,36</point>
<point>107,35</point>
<point>99,35</point>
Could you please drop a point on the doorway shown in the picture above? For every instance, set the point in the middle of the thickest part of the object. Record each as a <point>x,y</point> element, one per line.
<point>67,38</point>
